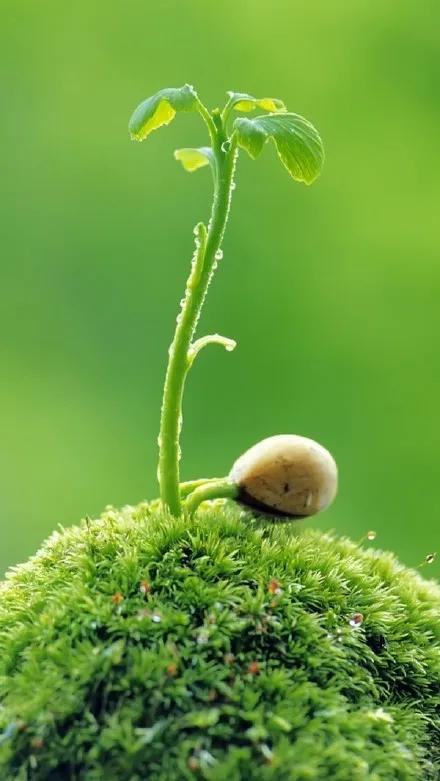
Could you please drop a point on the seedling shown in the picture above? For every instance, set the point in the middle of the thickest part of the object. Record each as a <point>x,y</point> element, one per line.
<point>289,475</point>
<point>142,646</point>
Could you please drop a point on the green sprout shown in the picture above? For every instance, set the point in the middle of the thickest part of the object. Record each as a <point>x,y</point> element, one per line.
<point>300,150</point>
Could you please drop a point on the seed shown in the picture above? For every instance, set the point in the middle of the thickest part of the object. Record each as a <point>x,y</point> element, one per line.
<point>286,475</point>
<point>117,598</point>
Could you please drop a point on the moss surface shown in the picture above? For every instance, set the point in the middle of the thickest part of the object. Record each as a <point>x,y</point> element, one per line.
<point>138,647</point>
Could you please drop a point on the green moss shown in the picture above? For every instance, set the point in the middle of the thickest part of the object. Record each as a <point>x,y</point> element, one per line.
<point>140,647</point>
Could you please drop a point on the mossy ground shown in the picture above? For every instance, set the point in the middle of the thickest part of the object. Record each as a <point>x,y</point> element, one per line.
<point>139,647</point>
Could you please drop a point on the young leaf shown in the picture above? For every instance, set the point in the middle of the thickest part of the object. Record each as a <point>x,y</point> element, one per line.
<point>240,101</point>
<point>160,109</point>
<point>193,159</point>
<point>297,142</point>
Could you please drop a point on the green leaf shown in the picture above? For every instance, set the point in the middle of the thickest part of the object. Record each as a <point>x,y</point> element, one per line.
<point>297,142</point>
<point>240,101</point>
<point>201,718</point>
<point>193,159</point>
<point>160,109</point>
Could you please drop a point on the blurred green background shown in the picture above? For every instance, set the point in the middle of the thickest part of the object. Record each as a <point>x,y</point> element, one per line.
<point>332,292</point>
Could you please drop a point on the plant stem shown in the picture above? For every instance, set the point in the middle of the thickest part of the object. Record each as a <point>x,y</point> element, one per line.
<point>188,487</point>
<point>179,362</point>
<point>218,489</point>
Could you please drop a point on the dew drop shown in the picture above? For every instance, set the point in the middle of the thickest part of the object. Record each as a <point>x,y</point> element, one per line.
<point>356,620</point>
<point>219,254</point>
<point>430,558</point>
<point>156,618</point>
<point>233,185</point>
<point>226,146</point>
<point>371,535</point>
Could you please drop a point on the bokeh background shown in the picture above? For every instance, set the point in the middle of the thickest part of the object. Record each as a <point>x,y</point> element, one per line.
<point>332,292</point>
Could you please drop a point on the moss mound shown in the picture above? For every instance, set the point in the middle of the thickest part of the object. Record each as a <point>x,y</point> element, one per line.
<point>138,647</point>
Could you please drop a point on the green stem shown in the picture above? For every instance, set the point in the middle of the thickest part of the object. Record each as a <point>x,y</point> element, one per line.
<point>190,485</point>
<point>179,361</point>
<point>211,490</point>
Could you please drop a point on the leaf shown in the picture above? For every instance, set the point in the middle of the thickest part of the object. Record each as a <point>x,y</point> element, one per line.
<point>202,718</point>
<point>297,142</point>
<point>160,109</point>
<point>240,101</point>
<point>193,159</point>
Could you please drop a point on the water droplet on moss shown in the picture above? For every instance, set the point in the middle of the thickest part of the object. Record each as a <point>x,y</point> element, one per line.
<point>226,146</point>
<point>356,620</point>
<point>219,254</point>
<point>371,535</point>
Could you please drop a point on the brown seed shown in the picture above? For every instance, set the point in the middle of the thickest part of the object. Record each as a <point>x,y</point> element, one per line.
<point>286,475</point>
<point>356,620</point>
<point>117,598</point>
